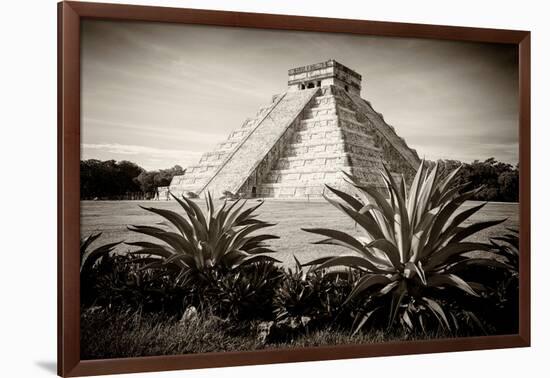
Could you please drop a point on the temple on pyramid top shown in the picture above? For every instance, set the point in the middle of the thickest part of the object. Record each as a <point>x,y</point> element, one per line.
<point>324,74</point>
<point>302,140</point>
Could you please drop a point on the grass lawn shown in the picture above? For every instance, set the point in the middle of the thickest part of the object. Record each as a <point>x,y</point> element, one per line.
<point>112,217</point>
<point>130,334</point>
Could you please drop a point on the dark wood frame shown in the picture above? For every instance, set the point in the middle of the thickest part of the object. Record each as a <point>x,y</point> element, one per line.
<point>69,18</point>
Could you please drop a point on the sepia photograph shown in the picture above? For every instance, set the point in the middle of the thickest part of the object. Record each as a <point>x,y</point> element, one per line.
<point>245,189</point>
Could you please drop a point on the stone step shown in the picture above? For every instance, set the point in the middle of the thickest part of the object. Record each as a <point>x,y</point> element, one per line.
<point>327,109</point>
<point>324,104</point>
<point>364,176</point>
<point>314,149</point>
<point>336,160</point>
<point>311,170</point>
<point>360,161</point>
<point>387,131</point>
<point>359,138</point>
<point>244,159</point>
<point>227,145</point>
<point>319,112</point>
<point>357,159</point>
<point>193,180</point>
<point>345,110</point>
<point>333,145</point>
<point>213,157</point>
<point>325,117</point>
<point>201,168</point>
<point>179,189</point>
<point>371,165</point>
<point>319,173</point>
<point>248,124</point>
<point>313,122</point>
<point>346,116</point>
<point>303,192</point>
<point>239,134</point>
<point>318,126</point>
<point>303,177</point>
<point>353,125</point>
<point>326,155</point>
<point>358,149</point>
<point>332,131</point>
<point>293,191</point>
<point>305,136</point>
<point>328,121</point>
<point>197,174</point>
<point>368,177</point>
<point>176,180</point>
<point>296,190</point>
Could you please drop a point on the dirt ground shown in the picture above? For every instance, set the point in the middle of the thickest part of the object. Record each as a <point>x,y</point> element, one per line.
<point>112,218</point>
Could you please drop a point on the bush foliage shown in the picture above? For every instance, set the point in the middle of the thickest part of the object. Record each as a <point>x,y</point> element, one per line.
<point>412,272</point>
<point>114,180</point>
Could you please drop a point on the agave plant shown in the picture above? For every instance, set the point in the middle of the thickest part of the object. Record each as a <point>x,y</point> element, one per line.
<point>506,293</point>
<point>90,270</point>
<point>89,259</point>
<point>225,238</point>
<point>508,246</point>
<point>414,247</point>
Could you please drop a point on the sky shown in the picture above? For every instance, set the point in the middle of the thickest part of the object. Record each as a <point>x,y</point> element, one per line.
<point>162,94</point>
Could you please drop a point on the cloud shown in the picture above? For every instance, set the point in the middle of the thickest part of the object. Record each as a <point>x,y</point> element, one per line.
<point>148,157</point>
<point>150,130</point>
<point>161,94</point>
<point>135,150</point>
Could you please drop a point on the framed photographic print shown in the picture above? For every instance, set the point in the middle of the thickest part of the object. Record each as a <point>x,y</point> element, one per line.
<point>239,188</point>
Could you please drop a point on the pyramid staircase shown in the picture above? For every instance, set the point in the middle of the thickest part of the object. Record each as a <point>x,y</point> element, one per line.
<point>305,138</point>
<point>197,176</point>
<point>329,140</point>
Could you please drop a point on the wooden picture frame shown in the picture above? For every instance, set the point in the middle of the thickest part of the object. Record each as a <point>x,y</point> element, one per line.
<point>70,15</point>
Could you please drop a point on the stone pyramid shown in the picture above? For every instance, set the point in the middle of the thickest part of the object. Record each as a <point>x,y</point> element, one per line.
<point>303,140</point>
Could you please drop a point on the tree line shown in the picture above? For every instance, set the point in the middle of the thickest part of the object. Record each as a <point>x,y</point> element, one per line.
<point>124,179</point>
<point>498,181</point>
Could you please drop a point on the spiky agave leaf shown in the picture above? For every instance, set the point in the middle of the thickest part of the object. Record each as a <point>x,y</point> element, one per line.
<point>224,237</point>
<point>88,259</point>
<point>508,247</point>
<point>415,244</point>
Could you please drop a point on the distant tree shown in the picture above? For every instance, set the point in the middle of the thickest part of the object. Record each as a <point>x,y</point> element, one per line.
<point>150,180</point>
<point>499,181</point>
<point>107,179</point>
<point>127,172</point>
<point>509,186</point>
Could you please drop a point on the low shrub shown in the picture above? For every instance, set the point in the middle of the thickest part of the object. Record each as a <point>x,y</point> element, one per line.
<point>499,304</point>
<point>124,284</point>
<point>308,299</point>
<point>95,264</point>
<point>245,293</point>
<point>227,195</point>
